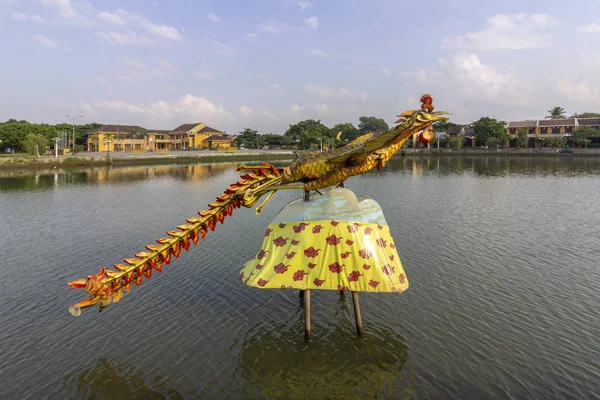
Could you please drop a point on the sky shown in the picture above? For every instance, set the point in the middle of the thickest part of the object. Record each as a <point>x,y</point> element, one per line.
<point>266,64</point>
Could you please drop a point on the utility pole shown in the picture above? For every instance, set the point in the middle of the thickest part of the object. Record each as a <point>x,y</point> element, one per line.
<point>71,116</point>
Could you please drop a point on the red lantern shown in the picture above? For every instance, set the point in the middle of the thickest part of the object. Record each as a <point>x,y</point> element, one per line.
<point>426,137</point>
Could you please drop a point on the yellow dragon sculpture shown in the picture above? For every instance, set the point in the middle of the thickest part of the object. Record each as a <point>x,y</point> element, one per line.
<point>312,172</point>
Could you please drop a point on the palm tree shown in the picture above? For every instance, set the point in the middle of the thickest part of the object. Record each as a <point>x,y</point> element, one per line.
<point>556,113</point>
<point>108,137</point>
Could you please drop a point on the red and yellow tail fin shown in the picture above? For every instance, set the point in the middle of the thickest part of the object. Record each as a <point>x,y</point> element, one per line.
<point>107,286</point>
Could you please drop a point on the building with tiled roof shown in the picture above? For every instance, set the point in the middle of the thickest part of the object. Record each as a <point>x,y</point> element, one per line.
<point>539,129</point>
<point>132,138</point>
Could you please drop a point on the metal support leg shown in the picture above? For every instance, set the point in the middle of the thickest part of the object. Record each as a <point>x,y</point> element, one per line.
<point>307,313</point>
<point>357,317</point>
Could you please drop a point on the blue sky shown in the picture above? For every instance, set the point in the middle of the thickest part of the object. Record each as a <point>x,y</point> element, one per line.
<point>266,64</point>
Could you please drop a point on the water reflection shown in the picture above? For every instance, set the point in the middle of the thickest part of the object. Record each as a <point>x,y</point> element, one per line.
<point>52,178</point>
<point>419,166</point>
<point>109,379</point>
<point>276,363</point>
<point>416,166</point>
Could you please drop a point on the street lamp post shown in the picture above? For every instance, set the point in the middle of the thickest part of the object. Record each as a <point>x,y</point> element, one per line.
<point>56,140</point>
<point>73,117</point>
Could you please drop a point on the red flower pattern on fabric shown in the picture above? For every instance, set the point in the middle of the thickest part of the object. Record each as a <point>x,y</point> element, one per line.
<point>280,241</point>
<point>311,252</point>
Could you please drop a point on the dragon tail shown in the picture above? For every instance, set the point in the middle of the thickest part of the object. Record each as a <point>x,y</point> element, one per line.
<point>107,286</point>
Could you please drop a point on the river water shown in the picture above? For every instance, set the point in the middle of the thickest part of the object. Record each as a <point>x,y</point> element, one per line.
<point>501,253</point>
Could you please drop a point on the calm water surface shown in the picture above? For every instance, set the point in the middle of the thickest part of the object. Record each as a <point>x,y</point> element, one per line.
<point>501,253</point>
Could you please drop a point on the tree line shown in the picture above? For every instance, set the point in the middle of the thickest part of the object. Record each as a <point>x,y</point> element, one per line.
<point>312,134</point>
<point>23,136</point>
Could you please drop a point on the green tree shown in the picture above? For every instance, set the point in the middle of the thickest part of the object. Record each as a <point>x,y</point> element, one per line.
<point>555,141</point>
<point>108,137</point>
<point>582,135</point>
<point>372,124</point>
<point>556,113</point>
<point>35,144</point>
<point>487,127</point>
<point>586,114</point>
<point>349,131</point>
<point>492,142</point>
<point>456,142</point>
<point>442,126</point>
<point>250,139</point>
<point>522,137</point>
<point>309,133</point>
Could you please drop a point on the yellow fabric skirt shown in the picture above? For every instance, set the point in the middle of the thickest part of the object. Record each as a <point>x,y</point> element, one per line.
<point>327,255</point>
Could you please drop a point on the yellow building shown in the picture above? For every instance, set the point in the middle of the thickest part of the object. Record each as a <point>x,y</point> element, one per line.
<point>194,135</point>
<point>116,138</point>
<point>216,142</point>
<point>133,138</point>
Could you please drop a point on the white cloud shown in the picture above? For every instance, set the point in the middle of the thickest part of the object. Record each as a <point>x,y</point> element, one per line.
<point>275,27</point>
<point>579,91</point>
<point>102,81</point>
<point>221,48</point>
<point>164,31</point>
<point>385,71</point>
<point>202,75</point>
<point>423,75</point>
<point>326,91</point>
<point>480,79</point>
<point>17,16</point>
<point>305,5</point>
<point>277,86</point>
<point>166,66</point>
<point>134,22</point>
<point>251,37</point>
<point>188,107</point>
<point>121,106</point>
<point>245,110</point>
<point>214,18</point>
<point>312,23</point>
<point>322,108</point>
<point>113,18</point>
<point>506,32</point>
<point>128,38</point>
<point>319,53</point>
<point>49,43</point>
<point>133,69</point>
<point>63,7</point>
<point>589,28</point>
<point>295,107</point>
<point>362,95</point>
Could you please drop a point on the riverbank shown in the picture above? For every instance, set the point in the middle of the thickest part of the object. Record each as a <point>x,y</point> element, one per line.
<point>182,157</point>
<point>124,159</point>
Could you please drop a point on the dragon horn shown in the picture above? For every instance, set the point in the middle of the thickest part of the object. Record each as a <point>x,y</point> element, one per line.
<point>107,286</point>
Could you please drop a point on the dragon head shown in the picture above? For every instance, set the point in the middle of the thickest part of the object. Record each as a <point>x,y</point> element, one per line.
<point>422,120</point>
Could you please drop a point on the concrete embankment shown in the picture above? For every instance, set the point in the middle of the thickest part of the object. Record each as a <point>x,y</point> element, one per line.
<point>98,159</point>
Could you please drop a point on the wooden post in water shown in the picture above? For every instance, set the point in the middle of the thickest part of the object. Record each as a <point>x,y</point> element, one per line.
<point>306,293</point>
<point>307,313</point>
<point>357,317</point>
